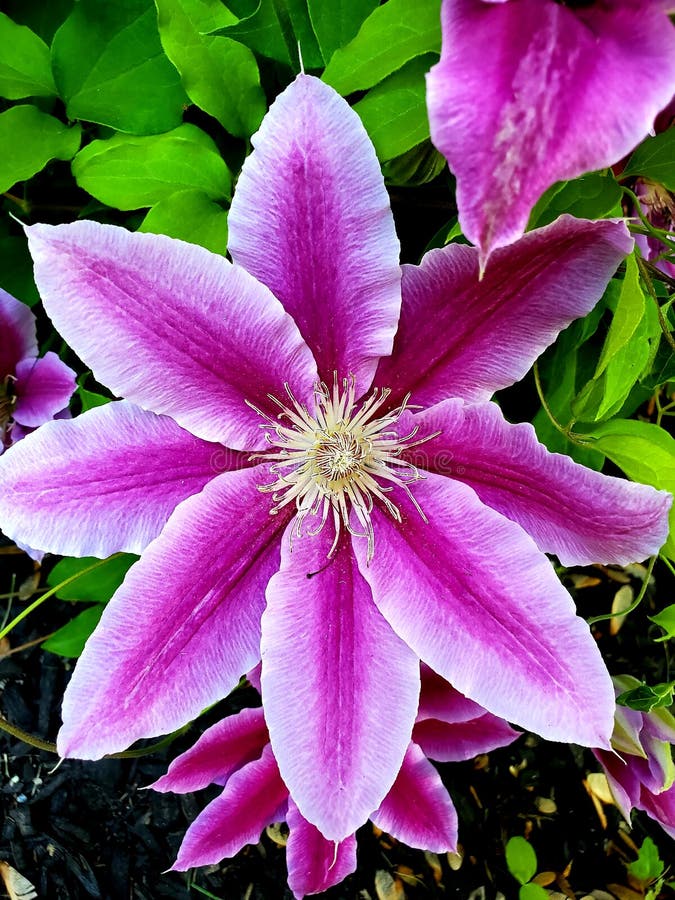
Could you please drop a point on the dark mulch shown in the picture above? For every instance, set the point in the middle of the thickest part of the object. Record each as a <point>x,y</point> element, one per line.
<point>90,830</point>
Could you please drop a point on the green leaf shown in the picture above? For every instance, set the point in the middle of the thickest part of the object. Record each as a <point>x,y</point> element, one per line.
<point>16,270</point>
<point>521,859</point>
<point>132,172</point>
<point>654,159</point>
<point>89,399</point>
<point>532,891</point>
<point>42,18</point>
<point>70,640</point>
<point>628,314</point>
<point>267,30</point>
<point>29,139</point>
<point>110,68</point>
<point>592,196</point>
<point>391,36</point>
<point>25,67</point>
<point>646,453</point>
<point>190,216</point>
<point>666,620</point>
<point>305,37</point>
<point>645,698</point>
<point>336,22</point>
<point>394,112</point>
<point>648,866</point>
<point>416,166</point>
<point>96,586</point>
<point>219,75</point>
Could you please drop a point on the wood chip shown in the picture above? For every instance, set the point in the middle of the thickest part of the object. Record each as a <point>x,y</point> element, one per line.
<point>18,887</point>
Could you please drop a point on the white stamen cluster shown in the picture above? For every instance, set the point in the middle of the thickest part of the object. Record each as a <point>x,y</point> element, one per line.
<point>336,459</point>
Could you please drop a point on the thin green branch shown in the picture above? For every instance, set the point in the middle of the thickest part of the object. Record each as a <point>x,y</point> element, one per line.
<point>644,272</point>
<point>634,605</point>
<point>566,432</point>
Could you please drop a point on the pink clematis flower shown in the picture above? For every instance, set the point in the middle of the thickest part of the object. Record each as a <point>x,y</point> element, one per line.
<point>389,536</point>
<point>417,810</point>
<point>32,389</point>
<point>530,92</point>
<point>642,775</point>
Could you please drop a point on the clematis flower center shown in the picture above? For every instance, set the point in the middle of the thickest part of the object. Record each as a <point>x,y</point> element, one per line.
<point>342,457</point>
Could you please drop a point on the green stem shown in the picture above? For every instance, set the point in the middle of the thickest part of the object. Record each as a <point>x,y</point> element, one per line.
<point>50,593</point>
<point>634,605</point>
<point>549,412</point>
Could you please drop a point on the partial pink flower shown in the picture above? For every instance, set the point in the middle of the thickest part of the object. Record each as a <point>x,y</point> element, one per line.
<point>417,810</point>
<point>530,92</point>
<point>658,206</point>
<point>287,502</point>
<point>33,389</point>
<point>641,771</point>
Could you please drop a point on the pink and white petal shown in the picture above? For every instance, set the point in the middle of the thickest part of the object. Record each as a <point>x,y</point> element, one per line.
<point>463,740</point>
<point>475,599</point>
<point>43,388</point>
<point>315,864</point>
<point>105,481</point>
<point>172,327</point>
<point>439,700</point>
<point>546,104</point>
<point>253,798</point>
<point>223,749</point>
<point>580,515</point>
<point>17,333</point>
<point>184,625</point>
<point>475,337</point>
<point>418,809</point>
<point>311,219</point>
<point>622,779</point>
<point>331,668</point>
<point>661,808</point>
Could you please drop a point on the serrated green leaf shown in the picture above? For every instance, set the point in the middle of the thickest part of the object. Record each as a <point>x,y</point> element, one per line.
<point>25,67</point>
<point>132,172</point>
<point>336,22</point>
<point>521,859</point>
<point>645,698</point>
<point>190,216</point>
<point>646,453</point>
<point>29,139</point>
<point>666,620</point>
<point>390,37</point>
<point>591,196</point>
<point>654,159</point>
<point>648,866</point>
<point>110,68</point>
<point>70,640</point>
<point>219,75</point>
<point>532,891</point>
<point>96,586</point>
<point>394,112</point>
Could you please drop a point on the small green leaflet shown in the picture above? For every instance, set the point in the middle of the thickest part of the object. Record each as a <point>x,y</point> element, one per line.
<point>70,640</point>
<point>592,196</point>
<point>645,698</point>
<point>96,586</point>
<point>521,859</point>
<point>666,620</point>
